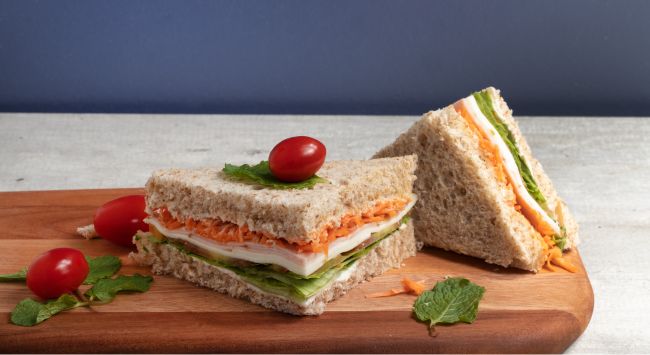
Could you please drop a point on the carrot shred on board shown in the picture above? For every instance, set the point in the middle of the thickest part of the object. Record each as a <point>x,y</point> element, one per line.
<point>554,257</point>
<point>389,293</point>
<point>408,286</point>
<point>564,264</point>
<point>550,266</point>
<point>416,287</point>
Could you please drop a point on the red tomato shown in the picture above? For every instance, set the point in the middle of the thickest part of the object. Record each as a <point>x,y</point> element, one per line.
<point>297,158</point>
<point>56,272</point>
<point>119,219</point>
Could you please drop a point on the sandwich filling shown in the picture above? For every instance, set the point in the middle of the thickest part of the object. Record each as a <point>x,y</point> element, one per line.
<point>274,265</point>
<point>499,145</point>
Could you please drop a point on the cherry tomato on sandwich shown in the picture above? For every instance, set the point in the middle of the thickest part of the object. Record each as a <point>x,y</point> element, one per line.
<point>118,220</point>
<point>56,272</point>
<point>297,158</point>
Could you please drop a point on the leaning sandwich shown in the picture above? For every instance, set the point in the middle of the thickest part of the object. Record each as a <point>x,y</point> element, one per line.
<point>481,191</point>
<point>291,250</point>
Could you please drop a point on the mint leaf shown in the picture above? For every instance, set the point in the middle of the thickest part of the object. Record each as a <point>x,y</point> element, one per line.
<point>29,312</point>
<point>17,276</point>
<point>101,267</point>
<point>105,290</point>
<point>450,301</point>
<point>260,174</point>
<point>26,312</point>
<point>64,302</point>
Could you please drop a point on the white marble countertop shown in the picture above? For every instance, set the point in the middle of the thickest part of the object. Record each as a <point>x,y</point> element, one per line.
<point>600,166</point>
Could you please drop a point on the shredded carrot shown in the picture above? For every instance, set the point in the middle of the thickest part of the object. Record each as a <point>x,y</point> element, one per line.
<point>564,264</point>
<point>554,256</point>
<point>492,153</point>
<point>408,286</point>
<point>413,286</point>
<point>520,205</point>
<point>226,232</point>
<point>389,293</point>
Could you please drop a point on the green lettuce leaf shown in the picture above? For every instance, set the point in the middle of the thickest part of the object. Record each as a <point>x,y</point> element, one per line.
<point>282,282</point>
<point>105,290</point>
<point>101,267</point>
<point>485,104</point>
<point>351,255</point>
<point>16,276</point>
<point>260,174</point>
<point>450,301</point>
<point>29,312</point>
<point>560,240</point>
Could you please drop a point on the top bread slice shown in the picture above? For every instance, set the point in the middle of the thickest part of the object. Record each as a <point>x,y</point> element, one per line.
<point>294,215</point>
<point>462,206</point>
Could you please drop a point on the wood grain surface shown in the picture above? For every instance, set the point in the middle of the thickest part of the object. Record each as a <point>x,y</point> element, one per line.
<point>521,312</point>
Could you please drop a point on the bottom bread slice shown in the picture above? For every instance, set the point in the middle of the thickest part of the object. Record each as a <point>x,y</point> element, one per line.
<point>166,259</point>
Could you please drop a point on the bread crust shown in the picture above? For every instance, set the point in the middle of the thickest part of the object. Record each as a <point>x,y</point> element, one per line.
<point>294,215</point>
<point>462,206</point>
<point>166,259</point>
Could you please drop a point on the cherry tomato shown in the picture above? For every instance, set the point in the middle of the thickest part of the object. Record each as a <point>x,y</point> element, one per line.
<point>56,272</point>
<point>297,158</point>
<point>119,219</point>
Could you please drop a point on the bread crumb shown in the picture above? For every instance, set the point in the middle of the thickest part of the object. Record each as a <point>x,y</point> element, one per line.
<point>128,260</point>
<point>88,232</point>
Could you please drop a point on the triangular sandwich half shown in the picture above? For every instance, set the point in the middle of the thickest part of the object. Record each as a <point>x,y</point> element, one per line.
<point>289,250</point>
<point>481,192</point>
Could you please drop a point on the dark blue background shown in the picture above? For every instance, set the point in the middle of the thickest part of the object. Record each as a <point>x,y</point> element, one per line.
<point>375,57</point>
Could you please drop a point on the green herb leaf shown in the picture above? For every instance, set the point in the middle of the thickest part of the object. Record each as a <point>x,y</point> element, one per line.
<point>105,290</point>
<point>260,174</point>
<point>102,267</point>
<point>26,312</point>
<point>450,301</point>
<point>17,276</point>
<point>29,312</point>
<point>99,268</point>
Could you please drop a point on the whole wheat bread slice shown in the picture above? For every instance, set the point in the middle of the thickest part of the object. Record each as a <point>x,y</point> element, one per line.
<point>166,259</point>
<point>462,206</point>
<point>294,215</point>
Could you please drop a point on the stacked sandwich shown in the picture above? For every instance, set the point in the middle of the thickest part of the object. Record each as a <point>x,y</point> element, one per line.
<point>481,191</point>
<point>292,250</point>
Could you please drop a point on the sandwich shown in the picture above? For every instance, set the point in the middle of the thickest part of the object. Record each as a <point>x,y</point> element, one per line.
<point>481,192</point>
<point>288,250</point>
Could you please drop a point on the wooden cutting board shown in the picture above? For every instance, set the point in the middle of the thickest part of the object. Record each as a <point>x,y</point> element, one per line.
<point>520,312</point>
